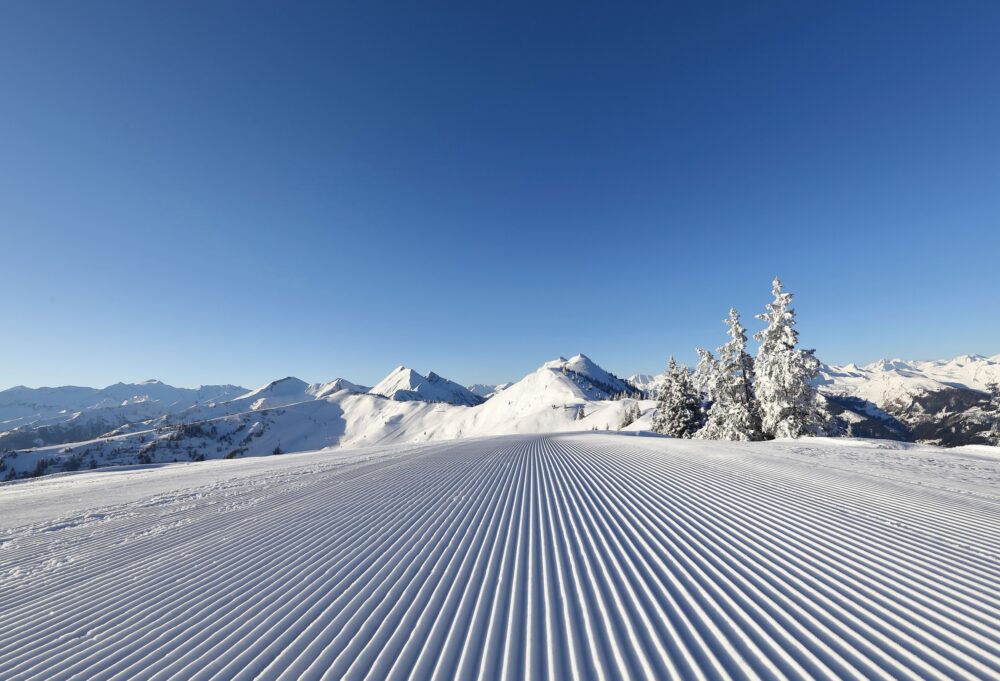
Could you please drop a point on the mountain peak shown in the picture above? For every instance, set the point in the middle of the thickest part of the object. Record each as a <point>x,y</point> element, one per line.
<point>405,385</point>
<point>591,379</point>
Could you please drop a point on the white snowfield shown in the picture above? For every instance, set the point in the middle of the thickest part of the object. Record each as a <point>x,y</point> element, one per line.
<point>564,556</point>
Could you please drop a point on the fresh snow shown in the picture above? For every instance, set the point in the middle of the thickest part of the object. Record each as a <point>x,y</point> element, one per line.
<point>568,556</point>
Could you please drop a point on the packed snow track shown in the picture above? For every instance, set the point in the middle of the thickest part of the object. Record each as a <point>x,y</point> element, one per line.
<point>571,556</point>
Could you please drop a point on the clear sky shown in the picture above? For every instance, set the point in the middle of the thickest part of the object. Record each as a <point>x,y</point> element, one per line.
<point>208,192</point>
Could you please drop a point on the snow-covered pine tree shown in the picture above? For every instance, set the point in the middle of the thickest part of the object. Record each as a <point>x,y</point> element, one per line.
<point>788,400</point>
<point>735,414</point>
<point>679,407</point>
<point>706,374</point>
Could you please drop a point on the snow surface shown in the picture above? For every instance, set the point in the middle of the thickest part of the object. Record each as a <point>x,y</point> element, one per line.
<point>567,556</point>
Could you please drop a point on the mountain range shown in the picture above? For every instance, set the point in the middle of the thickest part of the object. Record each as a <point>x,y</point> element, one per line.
<point>52,429</point>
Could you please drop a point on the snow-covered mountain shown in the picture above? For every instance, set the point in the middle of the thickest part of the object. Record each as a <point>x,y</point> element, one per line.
<point>593,381</point>
<point>290,415</point>
<point>898,381</point>
<point>648,383</point>
<point>935,401</point>
<point>487,390</point>
<point>405,385</point>
<point>38,416</point>
<point>321,390</point>
<point>938,402</point>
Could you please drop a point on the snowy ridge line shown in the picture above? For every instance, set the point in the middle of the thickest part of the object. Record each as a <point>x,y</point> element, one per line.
<point>586,556</point>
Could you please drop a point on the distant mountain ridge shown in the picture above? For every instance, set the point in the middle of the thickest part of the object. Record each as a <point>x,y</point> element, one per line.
<point>939,402</point>
<point>291,415</point>
<point>932,401</point>
<point>32,416</point>
<point>487,390</point>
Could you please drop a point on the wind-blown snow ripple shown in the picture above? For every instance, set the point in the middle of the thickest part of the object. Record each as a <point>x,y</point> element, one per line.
<point>587,556</point>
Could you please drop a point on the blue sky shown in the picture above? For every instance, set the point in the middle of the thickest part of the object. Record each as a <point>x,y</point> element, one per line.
<point>210,192</point>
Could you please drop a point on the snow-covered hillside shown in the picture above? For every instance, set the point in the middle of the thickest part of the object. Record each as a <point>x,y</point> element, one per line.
<point>34,416</point>
<point>577,556</point>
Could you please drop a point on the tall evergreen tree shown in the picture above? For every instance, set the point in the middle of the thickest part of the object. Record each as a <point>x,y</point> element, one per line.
<point>734,414</point>
<point>679,408</point>
<point>788,400</point>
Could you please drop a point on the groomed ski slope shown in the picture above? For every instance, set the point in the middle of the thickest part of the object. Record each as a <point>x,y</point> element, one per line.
<point>570,556</point>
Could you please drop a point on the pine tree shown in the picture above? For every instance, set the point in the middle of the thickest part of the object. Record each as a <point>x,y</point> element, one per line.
<point>678,408</point>
<point>735,414</point>
<point>706,374</point>
<point>788,400</point>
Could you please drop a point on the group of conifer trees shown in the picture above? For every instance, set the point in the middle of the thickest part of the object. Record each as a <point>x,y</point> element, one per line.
<point>736,396</point>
